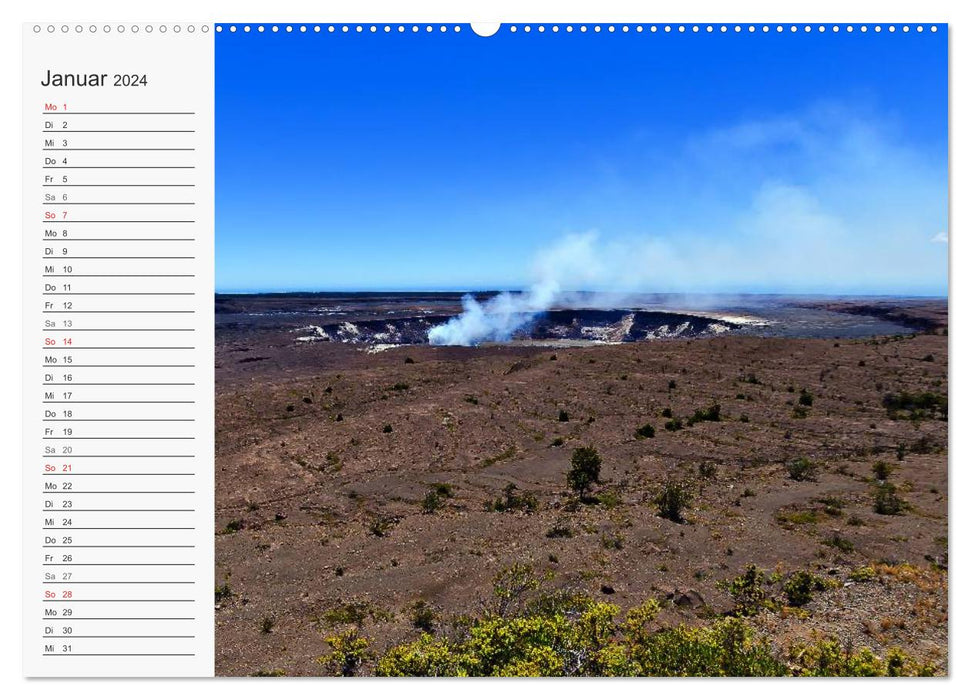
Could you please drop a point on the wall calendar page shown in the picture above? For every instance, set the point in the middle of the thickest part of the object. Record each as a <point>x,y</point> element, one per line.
<point>551,349</point>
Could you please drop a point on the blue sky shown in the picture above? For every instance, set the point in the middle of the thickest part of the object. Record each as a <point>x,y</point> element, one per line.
<point>812,163</point>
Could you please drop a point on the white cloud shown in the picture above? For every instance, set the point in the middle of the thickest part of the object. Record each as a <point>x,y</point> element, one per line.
<point>940,237</point>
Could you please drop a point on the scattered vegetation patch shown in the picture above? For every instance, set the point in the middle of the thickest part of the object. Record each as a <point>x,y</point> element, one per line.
<point>559,531</point>
<point>611,541</point>
<point>792,517</point>
<point>802,469</point>
<point>513,499</point>
<point>231,527</point>
<point>832,505</point>
<point>708,470</point>
<point>382,526</point>
<point>508,453</point>
<point>916,406</point>
<point>436,497</point>
<point>533,632</point>
<point>355,612</point>
<point>645,431</point>
<point>837,541</point>
<point>863,574</point>
<point>712,414</point>
<point>674,425</point>
<point>609,498</point>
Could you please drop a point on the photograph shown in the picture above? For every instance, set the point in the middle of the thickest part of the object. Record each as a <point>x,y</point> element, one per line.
<point>581,350</point>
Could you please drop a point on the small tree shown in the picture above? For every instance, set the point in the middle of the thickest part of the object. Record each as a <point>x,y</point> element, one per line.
<point>887,501</point>
<point>671,501</point>
<point>584,470</point>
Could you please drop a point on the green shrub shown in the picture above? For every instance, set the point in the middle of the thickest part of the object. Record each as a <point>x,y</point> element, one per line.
<point>432,501</point>
<point>863,574</point>
<point>584,470</point>
<point>832,505</point>
<point>829,658</point>
<point>916,406</point>
<point>790,517</point>
<point>883,470</point>
<point>707,470</point>
<point>645,431</point>
<point>609,498</point>
<point>513,499</point>
<point>532,632</point>
<point>837,541</point>
<point>348,653</point>
<point>712,413</point>
<point>805,398</point>
<point>887,501</point>
<point>749,592</point>
<point>223,592</point>
<point>800,586</point>
<point>422,616</point>
<point>381,526</point>
<point>802,469</point>
<point>583,637</point>
<point>443,489</point>
<point>674,424</point>
<point>232,526</point>
<point>564,417</point>
<point>671,501</point>
<point>611,541</point>
<point>559,530</point>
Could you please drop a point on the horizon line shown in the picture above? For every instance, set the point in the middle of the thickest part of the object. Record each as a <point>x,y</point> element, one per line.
<point>497,290</point>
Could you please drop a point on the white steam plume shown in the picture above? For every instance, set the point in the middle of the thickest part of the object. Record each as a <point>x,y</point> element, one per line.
<point>572,261</point>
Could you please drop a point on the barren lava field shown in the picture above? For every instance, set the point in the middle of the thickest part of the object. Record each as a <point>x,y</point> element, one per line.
<point>352,485</point>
